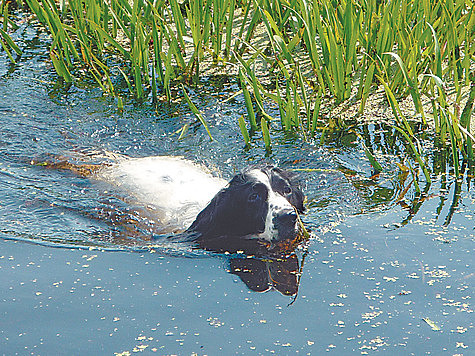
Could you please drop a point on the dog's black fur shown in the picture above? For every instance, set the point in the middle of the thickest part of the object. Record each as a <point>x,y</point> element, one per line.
<point>240,209</point>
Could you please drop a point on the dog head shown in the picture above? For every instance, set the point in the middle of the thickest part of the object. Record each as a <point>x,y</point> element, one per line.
<point>260,203</point>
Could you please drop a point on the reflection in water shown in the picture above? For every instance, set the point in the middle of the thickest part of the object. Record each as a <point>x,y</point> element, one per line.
<point>410,196</point>
<point>263,274</point>
<point>263,266</point>
<point>382,191</point>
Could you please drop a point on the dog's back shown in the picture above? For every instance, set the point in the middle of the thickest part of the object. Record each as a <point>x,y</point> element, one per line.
<point>174,188</point>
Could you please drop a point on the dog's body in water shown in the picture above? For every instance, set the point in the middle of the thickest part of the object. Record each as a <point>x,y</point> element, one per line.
<point>259,204</point>
<point>178,201</point>
<point>173,189</point>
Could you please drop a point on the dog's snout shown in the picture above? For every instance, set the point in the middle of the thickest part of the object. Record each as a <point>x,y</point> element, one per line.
<point>285,218</point>
<point>285,222</point>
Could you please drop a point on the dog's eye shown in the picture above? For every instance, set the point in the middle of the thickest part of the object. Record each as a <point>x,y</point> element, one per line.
<point>287,190</point>
<point>253,197</point>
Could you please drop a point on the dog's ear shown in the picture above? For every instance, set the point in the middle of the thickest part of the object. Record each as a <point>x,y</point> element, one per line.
<point>296,199</point>
<point>291,179</point>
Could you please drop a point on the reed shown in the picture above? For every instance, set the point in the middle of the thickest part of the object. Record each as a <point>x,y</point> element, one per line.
<point>6,41</point>
<point>197,113</point>
<point>320,53</point>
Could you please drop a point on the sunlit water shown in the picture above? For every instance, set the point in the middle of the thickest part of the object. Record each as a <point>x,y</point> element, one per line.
<point>376,276</point>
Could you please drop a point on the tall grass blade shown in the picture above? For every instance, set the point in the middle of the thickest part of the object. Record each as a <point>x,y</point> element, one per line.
<point>416,153</point>
<point>154,86</point>
<point>247,100</point>
<point>179,22</point>
<point>229,27</point>
<point>265,134</point>
<point>5,48</point>
<point>316,111</point>
<point>469,106</point>
<point>412,84</point>
<point>60,66</point>
<point>465,118</point>
<point>400,118</point>
<point>374,162</point>
<point>366,86</point>
<point>126,78</point>
<point>197,113</point>
<point>244,132</point>
<point>280,103</point>
<point>10,42</point>
<point>453,142</point>
<point>438,56</point>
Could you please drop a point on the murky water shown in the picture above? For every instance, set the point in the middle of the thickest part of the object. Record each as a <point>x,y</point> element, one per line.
<point>376,277</point>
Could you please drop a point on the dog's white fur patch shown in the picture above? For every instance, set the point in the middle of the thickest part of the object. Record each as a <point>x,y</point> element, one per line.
<point>175,189</point>
<point>276,203</point>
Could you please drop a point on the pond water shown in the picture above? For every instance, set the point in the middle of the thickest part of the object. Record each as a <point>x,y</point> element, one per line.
<point>376,277</point>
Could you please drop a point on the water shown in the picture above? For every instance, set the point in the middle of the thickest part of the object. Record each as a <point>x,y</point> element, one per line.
<point>376,276</point>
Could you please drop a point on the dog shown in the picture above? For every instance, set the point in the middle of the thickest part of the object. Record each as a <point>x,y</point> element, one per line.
<point>261,203</point>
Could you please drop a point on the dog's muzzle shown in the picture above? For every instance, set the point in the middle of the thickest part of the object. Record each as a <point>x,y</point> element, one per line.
<point>285,222</point>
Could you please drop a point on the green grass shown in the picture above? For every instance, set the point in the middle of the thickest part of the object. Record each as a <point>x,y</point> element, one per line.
<point>318,53</point>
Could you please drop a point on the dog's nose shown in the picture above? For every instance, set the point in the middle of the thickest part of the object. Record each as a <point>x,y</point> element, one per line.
<point>285,222</point>
<point>285,218</point>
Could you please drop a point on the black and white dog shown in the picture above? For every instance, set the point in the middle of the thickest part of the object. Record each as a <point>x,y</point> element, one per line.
<point>260,203</point>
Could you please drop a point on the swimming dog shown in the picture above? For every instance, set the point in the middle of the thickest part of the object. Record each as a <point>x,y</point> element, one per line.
<point>261,203</point>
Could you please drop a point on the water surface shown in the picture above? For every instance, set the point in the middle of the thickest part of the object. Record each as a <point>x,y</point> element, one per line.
<point>375,277</point>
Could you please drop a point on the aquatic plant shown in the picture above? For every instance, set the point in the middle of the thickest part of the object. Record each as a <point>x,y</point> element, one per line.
<point>303,56</point>
<point>6,41</point>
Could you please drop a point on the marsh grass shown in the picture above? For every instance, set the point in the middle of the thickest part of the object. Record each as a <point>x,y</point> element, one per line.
<point>6,41</point>
<point>316,54</point>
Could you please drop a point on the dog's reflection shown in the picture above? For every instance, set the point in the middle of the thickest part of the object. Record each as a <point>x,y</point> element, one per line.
<point>261,265</point>
<point>263,274</point>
